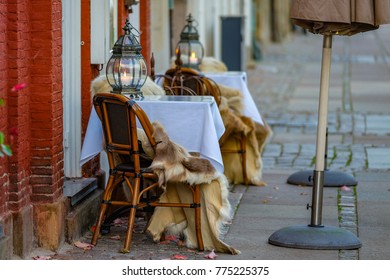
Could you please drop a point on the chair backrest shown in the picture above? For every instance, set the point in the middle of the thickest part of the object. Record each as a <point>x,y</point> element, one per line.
<point>186,81</point>
<point>119,116</point>
<point>179,78</point>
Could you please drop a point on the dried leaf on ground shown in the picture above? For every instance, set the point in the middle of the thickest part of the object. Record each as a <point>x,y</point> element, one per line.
<point>82,245</point>
<point>179,257</point>
<point>40,258</point>
<point>171,237</point>
<point>92,228</point>
<point>118,222</point>
<point>211,255</point>
<point>115,237</point>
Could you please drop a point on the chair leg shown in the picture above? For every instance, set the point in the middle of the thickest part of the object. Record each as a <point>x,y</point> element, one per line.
<point>103,209</point>
<point>131,221</point>
<point>243,150</point>
<point>198,218</point>
<point>129,232</point>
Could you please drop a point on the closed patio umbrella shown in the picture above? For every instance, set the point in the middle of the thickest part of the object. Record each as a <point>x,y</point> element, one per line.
<point>328,18</point>
<point>340,17</point>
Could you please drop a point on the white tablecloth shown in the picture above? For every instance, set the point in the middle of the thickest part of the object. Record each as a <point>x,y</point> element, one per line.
<point>238,80</point>
<point>191,121</point>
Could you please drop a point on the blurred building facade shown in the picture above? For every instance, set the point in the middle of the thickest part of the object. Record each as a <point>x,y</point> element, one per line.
<point>263,21</point>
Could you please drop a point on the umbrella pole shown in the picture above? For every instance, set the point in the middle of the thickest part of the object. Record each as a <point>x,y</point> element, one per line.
<point>318,183</point>
<point>321,177</point>
<point>315,235</point>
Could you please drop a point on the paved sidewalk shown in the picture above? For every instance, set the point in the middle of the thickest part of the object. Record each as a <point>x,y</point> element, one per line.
<point>285,86</point>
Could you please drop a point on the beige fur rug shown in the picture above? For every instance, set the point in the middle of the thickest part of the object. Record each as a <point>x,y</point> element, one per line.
<point>175,168</point>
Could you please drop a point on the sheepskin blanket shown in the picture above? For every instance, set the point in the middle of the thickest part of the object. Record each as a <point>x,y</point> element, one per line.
<point>237,126</point>
<point>177,168</point>
<point>208,64</point>
<point>100,84</point>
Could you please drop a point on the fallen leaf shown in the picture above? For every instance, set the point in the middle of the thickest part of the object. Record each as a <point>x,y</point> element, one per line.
<point>115,237</point>
<point>82,245</point>
<point>179,257</point>
<point>92,228</point>
<point>211,255</point>
<point>265,201</point>
<point>117,222</point>
<point>171,237</point>
<point>345,188</point>
<point>40,258</point>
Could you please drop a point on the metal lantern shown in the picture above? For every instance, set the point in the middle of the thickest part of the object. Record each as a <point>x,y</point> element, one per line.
<point>126,70</point>
<point>190,48</point>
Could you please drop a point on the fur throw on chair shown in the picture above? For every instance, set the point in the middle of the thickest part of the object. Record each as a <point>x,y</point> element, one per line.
<point>211,64</point>
<point>237,125</point>
<point>176,168</point>
<point>100,84</point>
<point>208,64</point>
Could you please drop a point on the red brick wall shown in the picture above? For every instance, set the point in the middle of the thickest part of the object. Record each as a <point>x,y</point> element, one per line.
<point>46,112</point>
<point>3,109</point>
<point>145,29</point>
<point>18,64</point>
<point>31,53</point>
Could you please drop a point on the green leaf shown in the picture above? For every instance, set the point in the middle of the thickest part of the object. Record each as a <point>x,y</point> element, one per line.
<point>1,138</point>
<point>1,102</point>
<point>6,149</point>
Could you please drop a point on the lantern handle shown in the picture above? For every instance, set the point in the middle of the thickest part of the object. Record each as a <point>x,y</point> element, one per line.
<point>128,28</point>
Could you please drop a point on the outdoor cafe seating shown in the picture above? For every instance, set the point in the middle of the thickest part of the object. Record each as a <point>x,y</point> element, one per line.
<point>168,147</point>
<point>145,159</point>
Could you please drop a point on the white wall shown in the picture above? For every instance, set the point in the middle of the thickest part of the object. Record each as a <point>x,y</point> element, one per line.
<point>159,31</point>
<point>71,41</point>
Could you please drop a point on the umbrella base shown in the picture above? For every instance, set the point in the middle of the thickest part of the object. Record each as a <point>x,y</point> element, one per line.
<point>331,178</point>
<point>319,237</point>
